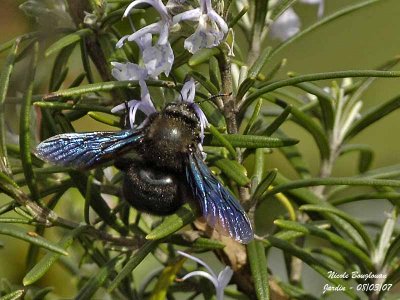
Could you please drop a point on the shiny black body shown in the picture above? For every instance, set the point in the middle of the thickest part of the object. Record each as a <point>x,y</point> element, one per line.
<point>169,170</point>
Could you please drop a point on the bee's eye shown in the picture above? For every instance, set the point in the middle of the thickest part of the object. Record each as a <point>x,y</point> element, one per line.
<point>154,178</point>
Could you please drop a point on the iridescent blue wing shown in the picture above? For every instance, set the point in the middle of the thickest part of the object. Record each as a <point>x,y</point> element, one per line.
<point>219,207</point>
<point>86,150</point>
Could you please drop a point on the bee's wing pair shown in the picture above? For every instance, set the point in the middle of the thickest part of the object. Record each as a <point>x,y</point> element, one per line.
<point>220,208</point>
<point>86,150</point>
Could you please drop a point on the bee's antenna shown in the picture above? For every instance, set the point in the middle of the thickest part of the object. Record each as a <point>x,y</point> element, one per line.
<point>176,84</point>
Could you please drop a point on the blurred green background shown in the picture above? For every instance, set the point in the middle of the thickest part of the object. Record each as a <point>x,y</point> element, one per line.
<point>363,40</point>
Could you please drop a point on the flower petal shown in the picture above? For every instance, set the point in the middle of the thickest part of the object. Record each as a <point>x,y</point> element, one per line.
<point>224,277</point>
<point>157,4</point>
<point>128,71</point>
<point>202,274</point>
<point>188,91</point>
<point>158,59</point>
<point>286,26</point>
<point>121,41</point>
<point>199,261</point>
<point>152,28</point>
<point>205,36</point>
<point>190,15</point>
<point>219,20</point>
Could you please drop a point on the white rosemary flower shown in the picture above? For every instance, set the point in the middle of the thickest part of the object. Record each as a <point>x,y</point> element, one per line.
<point>157,58</point>
<point>211,28</point>
<point>288,24</point>
<point>219,282</point>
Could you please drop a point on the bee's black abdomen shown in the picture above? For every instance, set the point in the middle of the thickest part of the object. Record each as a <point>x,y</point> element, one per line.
<point>151,190</point>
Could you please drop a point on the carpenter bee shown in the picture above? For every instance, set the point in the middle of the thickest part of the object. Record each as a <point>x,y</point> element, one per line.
<point>170,167</point>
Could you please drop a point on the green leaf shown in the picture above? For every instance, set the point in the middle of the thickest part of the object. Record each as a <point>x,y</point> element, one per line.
<point>306,196</point>
<point>372,116</point>
<point>332,181</point>
<point>260,13</point>
<point>97,202</point>
<point>103,119</point>
<point>357,89</point>
<point>331,253</point>
<point>24,235</point>
<point>314,129</point>
<point>202,56</point>
<point>16,295</point>
<point>325,100</point>
<point>350,219</point>
<point>379,256</point>
<point>274,126</point>
<point>233,170</point>
<point>25,127</point>
<point>86,61</point>
<point>165,279</point>
<point>223,141</point>
<point>97,280</point>
<point>258,267</point>
<point>367,196</point>
<point>135,259</point>
<point>185,215</point>
<point>253,117</point>
<point>42,293</point>
<point>214,115</point>
<point>393,251</point>
<point>9,44</point>
<point>41,268</point>
<point>366,155</point>
<point>215,74</point>
<point>279,8</point>
<point>104,87</point>
<point>73,106</point>
<point>250,141</point>
<point>233,22</point>
<point>327,235</point>
<point>258,170</point>
<point>68,40</point>
<point>269,87</point>
<point>4,82</point>
<point>319,266</point>
<point>198,244</point>
<point>254,72</point>
<point>295,292</point>
<point>262,188</point>
<point>296,160</point>
<point>60,65</point>
<point>205,82</point>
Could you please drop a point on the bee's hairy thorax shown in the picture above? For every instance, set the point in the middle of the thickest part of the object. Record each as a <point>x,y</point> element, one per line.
<point>170,135</point>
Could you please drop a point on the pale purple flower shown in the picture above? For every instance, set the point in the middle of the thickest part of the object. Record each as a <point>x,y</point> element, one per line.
<point>145,105</point>
<point>128,71</point>
<point>211,28</point>
<point>320,3</point>
<point>288,24</point>
<point>157,58</point>
<point>131,71</point>
<point>188,92</point>
<point>219,282</point>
